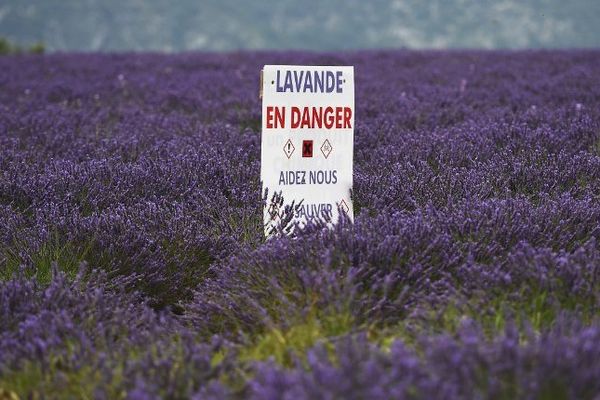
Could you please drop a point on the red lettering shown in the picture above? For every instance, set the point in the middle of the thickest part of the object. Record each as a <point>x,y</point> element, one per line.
<point>347,117</point>
<point>295,117</point>
<point>316,118</point>
<point>306,118</point>
<point>280,117</point>
<point>270,117</point>
<point>275,117</point>
<point>329,118</point>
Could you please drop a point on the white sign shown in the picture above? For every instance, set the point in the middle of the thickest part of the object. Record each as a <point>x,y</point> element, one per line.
<point>307,141</point>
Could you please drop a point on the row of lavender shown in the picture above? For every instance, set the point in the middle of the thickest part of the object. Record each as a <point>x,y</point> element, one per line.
<point>132,261</point>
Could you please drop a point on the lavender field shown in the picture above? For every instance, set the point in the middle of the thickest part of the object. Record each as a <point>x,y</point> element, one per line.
<point>133,263</point>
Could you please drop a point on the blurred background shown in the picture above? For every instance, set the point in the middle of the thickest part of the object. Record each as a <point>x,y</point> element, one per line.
<point>157,25</point>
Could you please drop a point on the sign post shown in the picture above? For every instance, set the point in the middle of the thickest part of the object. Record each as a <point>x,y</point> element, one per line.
<point>307,141</point>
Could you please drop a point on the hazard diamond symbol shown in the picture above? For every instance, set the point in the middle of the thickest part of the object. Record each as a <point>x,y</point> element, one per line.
<point>344,206</point>
<point>288,148</point>
<point>326,148</point>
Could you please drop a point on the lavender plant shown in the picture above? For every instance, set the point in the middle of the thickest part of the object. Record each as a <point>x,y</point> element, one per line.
<point>133,262</point>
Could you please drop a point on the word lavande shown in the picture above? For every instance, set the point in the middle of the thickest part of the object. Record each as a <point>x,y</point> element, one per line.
<point>310,81</point>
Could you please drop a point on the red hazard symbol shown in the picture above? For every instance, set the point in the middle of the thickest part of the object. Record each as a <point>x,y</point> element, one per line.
<point>307,148</point>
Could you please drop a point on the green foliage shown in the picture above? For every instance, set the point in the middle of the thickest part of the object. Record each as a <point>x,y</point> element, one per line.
<point>37,48</point>
<point>8,395</point>
<point>32,381</point>
<point>535,309</point>
<point>66,255</point>
<point>595,148</point>
<point>6,48</point>
<point>59,377</point>
<point>186,266</point>
<point>286,346</point>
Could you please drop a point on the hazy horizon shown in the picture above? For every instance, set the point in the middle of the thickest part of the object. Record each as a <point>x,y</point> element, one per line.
<point>111,25</point>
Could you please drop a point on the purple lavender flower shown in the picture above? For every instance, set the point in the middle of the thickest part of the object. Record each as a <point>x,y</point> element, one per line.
<point>132,257</point>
